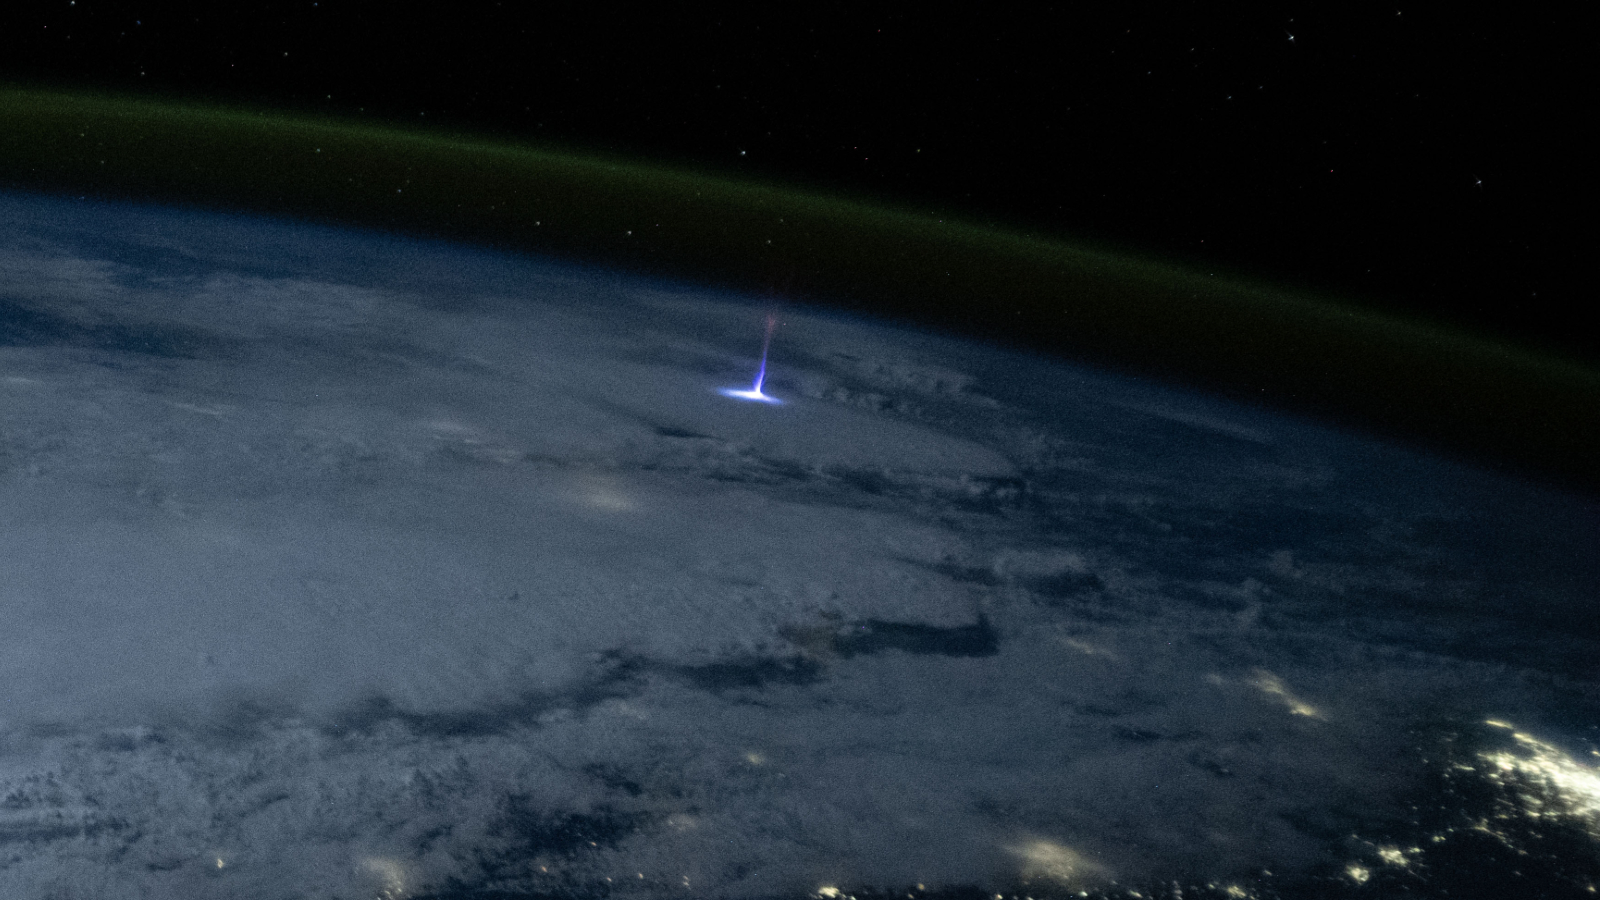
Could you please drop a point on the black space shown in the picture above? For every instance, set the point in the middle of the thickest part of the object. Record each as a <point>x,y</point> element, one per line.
<point>1425,159</point>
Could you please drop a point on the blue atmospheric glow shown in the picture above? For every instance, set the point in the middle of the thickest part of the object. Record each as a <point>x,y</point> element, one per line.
<point>754,393</point>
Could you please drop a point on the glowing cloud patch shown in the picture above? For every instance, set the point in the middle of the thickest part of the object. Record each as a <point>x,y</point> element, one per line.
<point>1047,861</point>
<point>390,876</point>
<point>1273,686</point>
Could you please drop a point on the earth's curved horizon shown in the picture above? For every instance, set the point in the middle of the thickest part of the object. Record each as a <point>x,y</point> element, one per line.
<point>1510,407</point>
<point>350,564</point>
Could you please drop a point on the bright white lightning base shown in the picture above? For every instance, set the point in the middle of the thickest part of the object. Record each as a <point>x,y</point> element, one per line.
<point>752,394</point>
